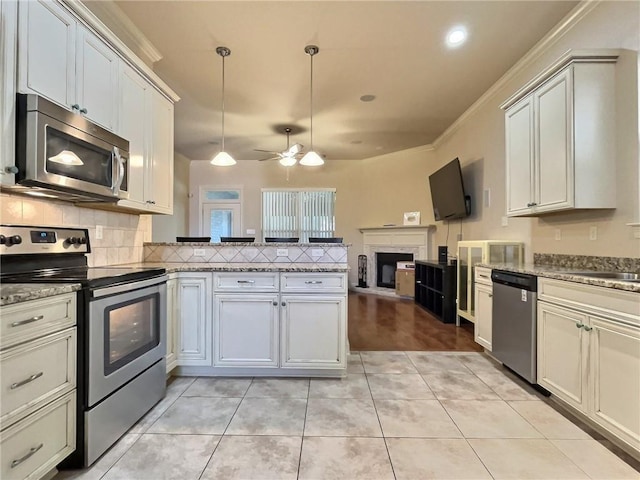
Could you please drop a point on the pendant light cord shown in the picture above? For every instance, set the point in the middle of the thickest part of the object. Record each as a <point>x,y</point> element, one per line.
<point>311,100</point>
<point>223,103</point>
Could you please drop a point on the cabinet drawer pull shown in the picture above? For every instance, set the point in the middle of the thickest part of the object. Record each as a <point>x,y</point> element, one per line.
<point>246,281</point>
<point>483,276</point>
<point>31,451</point>
<point>26,380</point>
<point>313,282</point>
<point>28,320</point>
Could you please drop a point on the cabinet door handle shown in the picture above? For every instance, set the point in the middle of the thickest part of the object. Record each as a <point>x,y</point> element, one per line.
<point>586,328</point>
<point>28,320</point>
<point>246,281</point>
<point>579,325</point>
<point>26,380</point>
<point>31,451</point>
<point>83,111</point>
<point>284,304</point>
<point>313,282</point>
<point>275,303</point>
<point>490,295</point>
<point>75,106</point>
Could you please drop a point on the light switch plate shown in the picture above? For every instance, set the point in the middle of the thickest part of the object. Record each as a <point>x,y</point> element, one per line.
<point>317,252</point>
<point>505,221</point>
<point>558,234</point>
<point>593,233</point>
<point>99,232</point>
<point>251,231</point>
<point>282,252</point>
<point>198,252</point>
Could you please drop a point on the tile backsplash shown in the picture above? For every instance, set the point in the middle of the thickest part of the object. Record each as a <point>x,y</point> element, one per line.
<point>123,234</point>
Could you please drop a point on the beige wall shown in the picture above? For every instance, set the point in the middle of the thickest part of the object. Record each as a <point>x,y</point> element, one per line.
<point>123,234</point>
<point>378,190</point>
<point>165,228</point>
<point>609,25</point>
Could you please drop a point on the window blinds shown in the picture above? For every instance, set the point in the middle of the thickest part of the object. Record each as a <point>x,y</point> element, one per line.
<point>298,213</point>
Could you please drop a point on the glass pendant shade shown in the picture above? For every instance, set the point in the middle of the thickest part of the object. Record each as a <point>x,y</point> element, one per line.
<point>223,159</point>
<point>288,161</point>
<point>312,159</point>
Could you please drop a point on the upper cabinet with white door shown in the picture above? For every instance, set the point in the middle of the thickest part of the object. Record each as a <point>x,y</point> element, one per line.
<point>62,60</point>
<point>560,137</point>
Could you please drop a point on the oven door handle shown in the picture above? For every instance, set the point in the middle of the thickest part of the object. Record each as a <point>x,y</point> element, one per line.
<point>118,170</point>
<point>129,286</point>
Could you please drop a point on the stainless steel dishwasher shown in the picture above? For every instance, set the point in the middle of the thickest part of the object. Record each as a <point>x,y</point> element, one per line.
<point>514,321</point>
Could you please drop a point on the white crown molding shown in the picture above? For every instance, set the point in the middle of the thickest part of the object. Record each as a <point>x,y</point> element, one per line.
<point>566,24</point>
<point>112,14</point>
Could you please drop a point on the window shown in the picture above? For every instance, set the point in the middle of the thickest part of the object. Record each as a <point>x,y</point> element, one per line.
<point>298,213</point>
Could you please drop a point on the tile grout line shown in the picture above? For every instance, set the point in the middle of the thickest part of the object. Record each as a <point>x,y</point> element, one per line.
<point>384,439</point>
<point>225,429</point>
<point>304,426</point>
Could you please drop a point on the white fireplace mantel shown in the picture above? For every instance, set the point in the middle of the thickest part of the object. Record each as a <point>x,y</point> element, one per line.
<point>412,239</point>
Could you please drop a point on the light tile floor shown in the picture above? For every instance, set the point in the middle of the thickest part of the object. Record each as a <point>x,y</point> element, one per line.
<point>398,415</point>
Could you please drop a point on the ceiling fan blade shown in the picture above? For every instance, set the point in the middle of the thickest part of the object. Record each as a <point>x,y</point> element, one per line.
<point>294,149</point>
<point>270,158</point>
<point>266,151</point>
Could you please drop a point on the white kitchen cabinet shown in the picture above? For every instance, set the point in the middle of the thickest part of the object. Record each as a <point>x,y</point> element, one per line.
<point>471,253</point>
<point>172,322</point>
<point>484,307</point>
<point>560,137</point>
<point>8,48</point>
<point>562,353</point>
<point>313,331</point>
<point>589,353</point>
<point>146,120</point>
<point>63,61</point>
<point>38,382</point>
<point>246,329</point>
<point>194,296</point>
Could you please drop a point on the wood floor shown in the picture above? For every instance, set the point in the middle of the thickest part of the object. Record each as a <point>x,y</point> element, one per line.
<point>386,323</point>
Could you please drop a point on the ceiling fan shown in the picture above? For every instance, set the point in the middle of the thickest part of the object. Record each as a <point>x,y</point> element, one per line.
<point>287,157</point>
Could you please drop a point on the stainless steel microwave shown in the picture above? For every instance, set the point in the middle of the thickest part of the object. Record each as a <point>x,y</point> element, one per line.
<point>64,155</point>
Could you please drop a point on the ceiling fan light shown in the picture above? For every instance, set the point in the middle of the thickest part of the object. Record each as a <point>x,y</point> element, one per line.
<point>288,161</point>
<point>311,159</point>
<point>223,159</point>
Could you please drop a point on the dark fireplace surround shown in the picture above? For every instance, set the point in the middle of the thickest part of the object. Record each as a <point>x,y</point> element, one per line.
<point>386,264</point>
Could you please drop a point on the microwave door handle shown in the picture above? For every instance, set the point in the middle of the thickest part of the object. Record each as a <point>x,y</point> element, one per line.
<point>118,165</point>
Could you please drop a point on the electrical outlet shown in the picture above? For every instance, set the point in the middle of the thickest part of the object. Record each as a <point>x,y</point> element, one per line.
<point>505,221</point>
<point>99,232</point>
<point>251,231</point>
<point>198,252</point>
<point>593,233</point>
<point>317,252</point>
<point>558,234</point>
<point>282,252</point>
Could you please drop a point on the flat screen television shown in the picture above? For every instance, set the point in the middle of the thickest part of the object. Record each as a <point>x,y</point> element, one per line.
<point>447,192</point>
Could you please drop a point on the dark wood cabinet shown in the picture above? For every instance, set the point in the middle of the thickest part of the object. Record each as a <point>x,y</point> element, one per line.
<point>436,289</point>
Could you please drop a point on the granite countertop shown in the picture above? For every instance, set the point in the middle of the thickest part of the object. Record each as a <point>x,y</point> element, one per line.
<point>244,244</point>
<point>564,273</point>
<point>172,267</point>
<point>22,292</point>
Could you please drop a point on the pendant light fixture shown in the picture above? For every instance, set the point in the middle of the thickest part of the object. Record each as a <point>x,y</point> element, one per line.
<point>223,159</point>
<point>311,158</point>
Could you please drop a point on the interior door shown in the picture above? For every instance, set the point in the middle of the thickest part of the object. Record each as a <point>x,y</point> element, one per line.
<point>221,220</point>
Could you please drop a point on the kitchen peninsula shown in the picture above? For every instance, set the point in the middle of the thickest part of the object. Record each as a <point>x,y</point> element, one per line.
<point>255,309</point>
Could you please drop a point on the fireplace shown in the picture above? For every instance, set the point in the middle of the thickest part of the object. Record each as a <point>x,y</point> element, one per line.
<point>386,267</point>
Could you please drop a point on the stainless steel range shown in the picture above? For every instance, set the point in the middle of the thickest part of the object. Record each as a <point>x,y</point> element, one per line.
<point>121,329</point>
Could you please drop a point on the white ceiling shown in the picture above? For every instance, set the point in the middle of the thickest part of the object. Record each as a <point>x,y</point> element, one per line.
<point>394,50</point>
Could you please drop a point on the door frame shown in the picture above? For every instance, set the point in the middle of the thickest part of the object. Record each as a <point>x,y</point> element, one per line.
<point>202,200</point>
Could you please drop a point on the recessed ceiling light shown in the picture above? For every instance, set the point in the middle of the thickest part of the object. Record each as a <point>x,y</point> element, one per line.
<point>367,98</point>
<point>456,36</point>
<point>356,142</point>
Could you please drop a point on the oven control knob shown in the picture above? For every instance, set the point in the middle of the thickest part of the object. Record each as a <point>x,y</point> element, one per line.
<point>72,240</point>
<point>82,240</point>
<point>3,240</point>
<point>14,240</point>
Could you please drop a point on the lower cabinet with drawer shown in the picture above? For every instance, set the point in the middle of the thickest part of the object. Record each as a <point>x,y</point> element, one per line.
<point>267,323</point>
<point>589,353</point>
<point>483,328</point>
<point>38,386</point>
